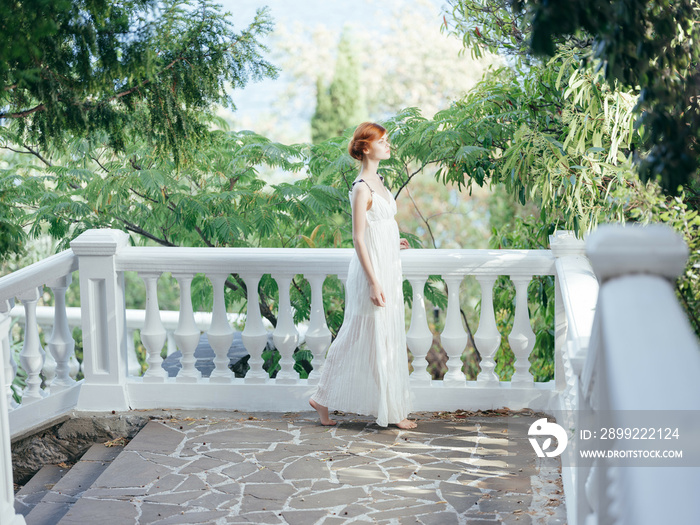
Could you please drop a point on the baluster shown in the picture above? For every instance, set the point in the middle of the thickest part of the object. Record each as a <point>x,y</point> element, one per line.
<point>32,355</point>
<point>153,333</point>
<point>254,335</point>
<point>131,357</point>
<point>7,362</point>
<point>187,334</point>
<point>60,344</point>
<point>285,335</point>
<point>220,334</point>
<point>419,337</point>
<point>48,371</point>
<point>318,336</point>
<point>521,338</point>
<point>487,337</point>
<point>454,338</point>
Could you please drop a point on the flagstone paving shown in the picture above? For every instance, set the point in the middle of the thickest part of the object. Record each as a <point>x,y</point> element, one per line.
<point>222,468</point>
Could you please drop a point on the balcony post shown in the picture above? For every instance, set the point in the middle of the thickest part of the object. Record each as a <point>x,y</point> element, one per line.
<point>8,367</point>
<point>105,363</point>
<point>7,497</point>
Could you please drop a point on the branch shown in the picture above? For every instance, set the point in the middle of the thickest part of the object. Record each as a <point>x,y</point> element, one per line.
<point>140,231</point>
<point>427,224</point>
<point>22,114</point>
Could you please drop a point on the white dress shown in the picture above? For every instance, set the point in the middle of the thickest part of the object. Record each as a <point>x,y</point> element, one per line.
<point>366,371</point>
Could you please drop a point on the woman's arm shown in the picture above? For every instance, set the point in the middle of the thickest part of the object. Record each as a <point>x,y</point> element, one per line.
<point>361,202</point>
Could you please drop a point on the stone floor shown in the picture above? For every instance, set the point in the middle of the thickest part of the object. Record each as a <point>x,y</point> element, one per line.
<point>220,468</point>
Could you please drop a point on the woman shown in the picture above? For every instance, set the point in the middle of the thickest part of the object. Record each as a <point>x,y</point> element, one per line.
<point>366,371</point>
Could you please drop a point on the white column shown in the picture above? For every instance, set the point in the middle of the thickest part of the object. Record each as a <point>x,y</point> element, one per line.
<point>487,337</point>
<point>187,334</point>
<point>61,344</point>
<point>318,336</point>
<point>48,371</point>
<point>220,334</point>
<point>285,335</point>
<point>8,367</point>
<point>7,497</point>
<point>254,335</point>
<point>521,338</point>
<point>32,355</point>
<point>454,338</point>
<point>419,338</point>
<point>103,320</point>
<point>153,332</point>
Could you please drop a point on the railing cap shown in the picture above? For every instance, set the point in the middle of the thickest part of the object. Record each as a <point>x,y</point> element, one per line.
<point>656,249</point>
<point>99,242</point>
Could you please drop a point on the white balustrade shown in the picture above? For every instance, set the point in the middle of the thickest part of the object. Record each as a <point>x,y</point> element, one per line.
<point>454,338</point>
<point>220,334</point>
<point>254,335</point>
<point>521,337</point>
<point>318,336</point>
<point>187,334</point>
<point>487,337</point>
<point>153,332</point>
<point>60,343</point>
<point>32,355</point>
<point>48,371</point>
<point>8,367</point>
<point>285,334</point>
<point>419,338</point>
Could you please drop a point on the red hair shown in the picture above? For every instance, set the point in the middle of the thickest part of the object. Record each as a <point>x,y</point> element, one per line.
<point>364,134</point>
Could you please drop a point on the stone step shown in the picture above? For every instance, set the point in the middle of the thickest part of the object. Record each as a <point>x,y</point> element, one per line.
<point>68,489</point>
<point>37,487</point>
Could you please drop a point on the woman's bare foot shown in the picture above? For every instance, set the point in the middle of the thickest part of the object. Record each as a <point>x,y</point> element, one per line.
<point>407,424</point>
<point>322,413</point>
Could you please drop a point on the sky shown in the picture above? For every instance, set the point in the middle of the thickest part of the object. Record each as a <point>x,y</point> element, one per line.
<point>257,98</point>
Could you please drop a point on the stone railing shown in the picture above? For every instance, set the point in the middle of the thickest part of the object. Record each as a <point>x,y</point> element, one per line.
<point>111,384</point>
<point>640,369</point>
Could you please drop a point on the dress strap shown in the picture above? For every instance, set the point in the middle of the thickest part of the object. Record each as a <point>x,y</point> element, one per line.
<point>363,180</point>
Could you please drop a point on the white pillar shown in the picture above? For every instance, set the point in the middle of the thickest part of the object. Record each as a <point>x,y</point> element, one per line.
<point>487,337</point>
<point>153,333</point>
<point>454,338</point>
<point>220,334</point>
<point>61,344</point>
<point>103,320</point>
<point>187,334</point>
<point>254,335</point>
<point>7,496</point>
<point>318,336</point>
<point>8,367</point>
<point>419,338</point>
<point>285,335</point>
<point>32,355</point>
<point>521,337</point>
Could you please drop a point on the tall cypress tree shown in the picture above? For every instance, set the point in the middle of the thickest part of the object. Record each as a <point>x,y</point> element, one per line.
<point>342,104</point>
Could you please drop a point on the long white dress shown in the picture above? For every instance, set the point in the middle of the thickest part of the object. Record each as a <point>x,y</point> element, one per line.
<point>366,370</point>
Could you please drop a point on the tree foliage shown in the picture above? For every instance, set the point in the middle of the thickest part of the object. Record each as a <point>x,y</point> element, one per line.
<point>133,70</point>
<point>650,44</point>
<point>340,105</point>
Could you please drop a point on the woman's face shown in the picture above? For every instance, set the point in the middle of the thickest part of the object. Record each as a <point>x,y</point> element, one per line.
<point>379,149</point>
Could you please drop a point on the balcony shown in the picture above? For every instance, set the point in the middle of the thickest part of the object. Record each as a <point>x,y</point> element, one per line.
<point>608,306</point>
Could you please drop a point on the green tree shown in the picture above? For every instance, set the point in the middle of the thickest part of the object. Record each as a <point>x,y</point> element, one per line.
<point>341,105</point>
<point>652,44</point>
<point>135,72</point>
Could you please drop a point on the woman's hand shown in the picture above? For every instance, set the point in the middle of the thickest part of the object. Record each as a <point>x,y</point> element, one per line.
<point>376,294</point>
<point>403,244</point>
